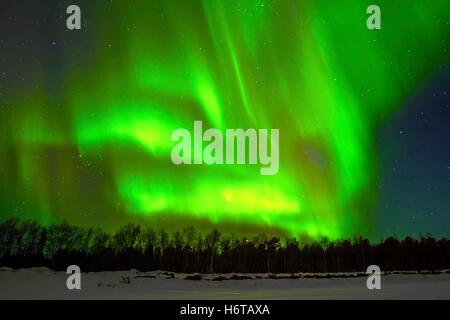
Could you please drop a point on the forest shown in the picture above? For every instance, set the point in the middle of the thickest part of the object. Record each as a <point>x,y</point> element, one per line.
<point>25,243</point>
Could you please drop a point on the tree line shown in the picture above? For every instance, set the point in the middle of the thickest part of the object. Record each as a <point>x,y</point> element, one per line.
<point>25,243</point>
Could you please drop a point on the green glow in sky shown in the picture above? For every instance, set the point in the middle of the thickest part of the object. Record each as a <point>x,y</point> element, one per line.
<point>99,153</point>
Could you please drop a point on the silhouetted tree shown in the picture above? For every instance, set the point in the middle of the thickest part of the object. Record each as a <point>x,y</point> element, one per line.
<point>26,243</point>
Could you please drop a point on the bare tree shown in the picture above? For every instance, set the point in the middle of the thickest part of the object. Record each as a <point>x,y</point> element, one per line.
<point>126,237</point>
<point>212,239</point>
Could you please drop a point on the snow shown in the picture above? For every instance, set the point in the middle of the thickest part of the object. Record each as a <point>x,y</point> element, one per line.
<point>43,283</point>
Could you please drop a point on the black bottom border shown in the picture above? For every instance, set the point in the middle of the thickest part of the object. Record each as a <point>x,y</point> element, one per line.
<point>223,309</point>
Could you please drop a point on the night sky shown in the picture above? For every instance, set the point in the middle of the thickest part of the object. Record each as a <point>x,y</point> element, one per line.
<point>414,144</point>
<point>86,115</point>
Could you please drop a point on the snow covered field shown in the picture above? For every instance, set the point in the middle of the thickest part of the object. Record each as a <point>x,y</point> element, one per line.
<point>43,283</point>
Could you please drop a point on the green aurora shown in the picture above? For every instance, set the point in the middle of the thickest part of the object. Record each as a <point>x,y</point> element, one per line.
<point>89,140</point>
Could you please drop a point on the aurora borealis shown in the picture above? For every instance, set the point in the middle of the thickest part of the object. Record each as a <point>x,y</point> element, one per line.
<point>86,115</point>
